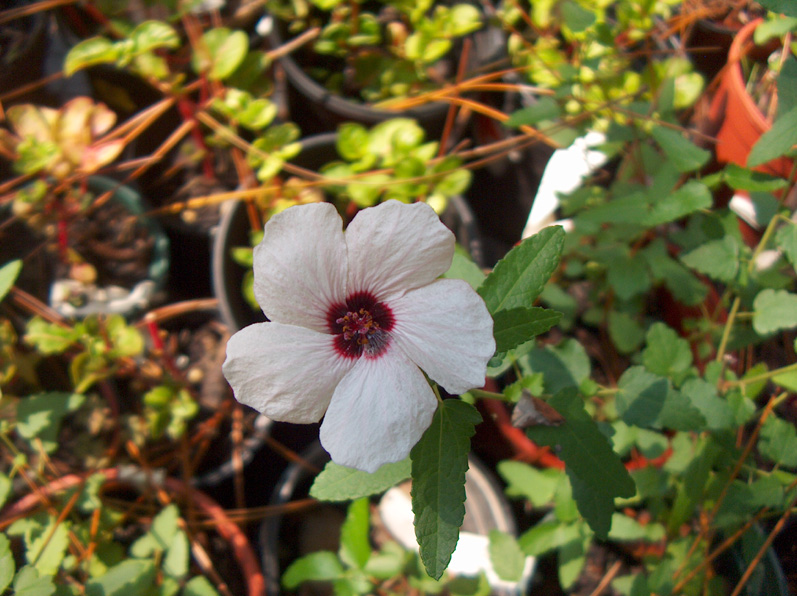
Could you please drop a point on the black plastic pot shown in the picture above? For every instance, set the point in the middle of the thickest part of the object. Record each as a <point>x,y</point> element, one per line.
<point>317,110</point>
<point>284,538</point>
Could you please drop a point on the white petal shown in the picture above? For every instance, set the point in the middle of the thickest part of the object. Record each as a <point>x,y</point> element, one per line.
<point>379,412</point>
<point>286,372</point>
<point>395,247</point>
<point>446,330</point>
<point>300,266</point>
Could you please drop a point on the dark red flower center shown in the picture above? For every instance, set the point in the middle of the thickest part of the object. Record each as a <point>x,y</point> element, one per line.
<point>361,326</point>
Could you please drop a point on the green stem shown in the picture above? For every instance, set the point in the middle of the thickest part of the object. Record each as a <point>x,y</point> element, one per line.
<point>763,376</point>
<point>726,333</point>
<point>482,394</point>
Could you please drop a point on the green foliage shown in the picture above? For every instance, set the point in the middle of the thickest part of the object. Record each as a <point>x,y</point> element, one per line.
<point>339,483</point>
<point>439,463</point>
<point>99,344</point>
<point>402,163</point>
<point>8,275</point>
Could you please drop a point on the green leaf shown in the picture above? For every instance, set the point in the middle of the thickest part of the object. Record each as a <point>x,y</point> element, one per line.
<point>154,35</point>
<point>199,586</point>
<point>565,365</point>
<point>778,442</point>
<point>339,483</point>
<point>547,536</point>
<point>28,582</point>
<point>462,267</point>
<point>703,396</point>
<point>8,275</point>
<point>318,566</point>
<point>165,525</point>
<point>49,338</point>
<point>439,463</point>
<point>680,151</point>
<point>571,558</point>
<point>774,310</point>
<point>96,50</point>
<point>640,396</point>
<point>648,400</point>
<point>786,240</point>
<point>719,259</point>
<point>175,563</point>
<point>515,326</point>
<point>355,549</point>
<point>595,506</point>
<point>740,178</point>
<point>587,454</point>
<point>692,196</point>
<point>628,529</point>
<point>220,53</point>
<point>40,415</point>
<point>628,276</point>
<point>625,331</point>
<point>7,564</point>
<point>507,558</point>
<point>520,276</point>
<point>776,141</point>
<point>131,576</point>
<point>786,7</point>
<point>666,353</point>
<point>576,18</point>
<point>546,108</point>
<point>523,480</point>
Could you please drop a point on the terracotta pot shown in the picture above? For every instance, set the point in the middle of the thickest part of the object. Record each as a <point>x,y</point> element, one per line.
<point>239,544</point>
<point>742,123</point>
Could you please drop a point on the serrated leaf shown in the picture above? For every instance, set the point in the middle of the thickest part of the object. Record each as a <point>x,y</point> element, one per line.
<point>666,353</point>
<point>507,559</point>
<point>776,141</point>
<point>339,483</point>
<point>692,196</point>
<point>355,549</point>
<point>680,151</point>
<point>520,276</point>
<point>318,566</point>
<point>740,178</point>
<point>515,326</point>
<point>49,338</point>
<point>719,259</point>
<point>774,310</point>
<point>8,275</point>
<point>595,506</point>
<point>439,463</point>
<point>778,442</point>
<point>585,450</point>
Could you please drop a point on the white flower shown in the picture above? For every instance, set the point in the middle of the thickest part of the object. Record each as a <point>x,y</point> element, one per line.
<point>353,317</point>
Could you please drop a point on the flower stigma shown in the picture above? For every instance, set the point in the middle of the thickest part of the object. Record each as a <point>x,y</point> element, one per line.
<point>361,326</point>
